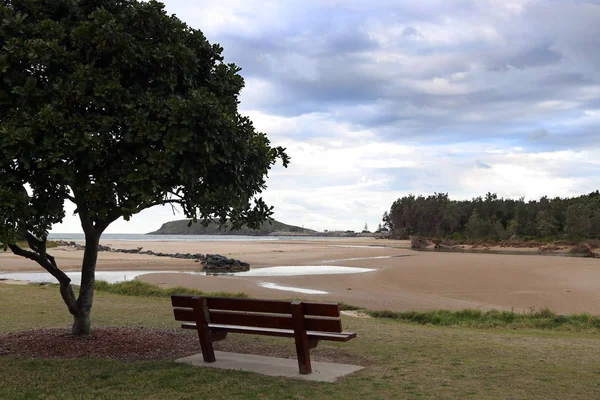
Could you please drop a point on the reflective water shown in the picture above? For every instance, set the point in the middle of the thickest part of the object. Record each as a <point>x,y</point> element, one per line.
<point>357,246</point>
<point>295,270</point>
<point>364,258</point>
<point>270,285</point>
<point>108,276</point>
<point>121,276</point>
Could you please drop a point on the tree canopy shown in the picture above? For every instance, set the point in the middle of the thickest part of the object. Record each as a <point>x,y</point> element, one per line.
<point>495,218</point>
<point>117,107</point>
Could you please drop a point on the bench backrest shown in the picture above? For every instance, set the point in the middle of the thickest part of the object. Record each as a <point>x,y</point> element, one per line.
<point>277,314</point>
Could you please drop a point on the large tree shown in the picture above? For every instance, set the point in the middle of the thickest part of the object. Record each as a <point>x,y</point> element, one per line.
<point>117,107</point>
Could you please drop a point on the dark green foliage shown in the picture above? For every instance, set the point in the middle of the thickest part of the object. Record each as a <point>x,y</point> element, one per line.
<point>117,107</point>
<point>120,107</point>
<point>495,218</point>
<point>579,220</point>
<point>477,227</point>
<point>545,224</point>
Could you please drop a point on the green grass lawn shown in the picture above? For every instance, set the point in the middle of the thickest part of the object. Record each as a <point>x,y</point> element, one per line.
<point>404,360</point>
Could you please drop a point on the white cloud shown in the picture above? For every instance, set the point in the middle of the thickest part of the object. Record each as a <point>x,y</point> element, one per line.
<point>375,100</point>
<point>331,188</point>
<point>436,86</point>
<point>217,18</point>
<point>510,180</point>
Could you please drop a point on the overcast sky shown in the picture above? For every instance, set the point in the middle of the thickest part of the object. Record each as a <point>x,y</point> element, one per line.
<point>378,99</point>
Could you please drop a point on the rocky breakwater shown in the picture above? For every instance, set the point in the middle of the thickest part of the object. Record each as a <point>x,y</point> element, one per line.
<point>217,263</point>
<point>210,262</point>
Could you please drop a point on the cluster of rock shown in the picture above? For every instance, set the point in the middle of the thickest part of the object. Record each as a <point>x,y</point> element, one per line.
<point>221,264</point>
<point>210,262</point>
<point>139,250</point>
<point>586,249</point>
<point>70,244</point>
<point>444,246</point>
<point>417,242</point>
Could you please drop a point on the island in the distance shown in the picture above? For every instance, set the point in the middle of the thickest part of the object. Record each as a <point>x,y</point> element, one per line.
<point>182,227</point>
<point>273,228</point>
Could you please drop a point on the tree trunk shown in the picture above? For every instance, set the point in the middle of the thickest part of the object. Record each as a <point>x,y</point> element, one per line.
<point>81,324</point>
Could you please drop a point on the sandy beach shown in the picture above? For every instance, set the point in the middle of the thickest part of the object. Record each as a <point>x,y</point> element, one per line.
<point>402,279</point>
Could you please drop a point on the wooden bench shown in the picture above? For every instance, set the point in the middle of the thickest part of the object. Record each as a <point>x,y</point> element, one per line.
<point>306,322</point>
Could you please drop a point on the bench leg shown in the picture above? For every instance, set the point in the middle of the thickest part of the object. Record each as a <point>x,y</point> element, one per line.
<point>301,338</point>
<point>208,353</point>
<point>303,356</point>
<point>201,312</point>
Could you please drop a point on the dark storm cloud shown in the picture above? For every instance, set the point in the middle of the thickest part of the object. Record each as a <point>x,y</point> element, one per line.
<point>534,57</point>
<point>567,79</point>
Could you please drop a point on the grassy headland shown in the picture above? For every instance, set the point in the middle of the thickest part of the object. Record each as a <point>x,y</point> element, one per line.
<point>183,227</point>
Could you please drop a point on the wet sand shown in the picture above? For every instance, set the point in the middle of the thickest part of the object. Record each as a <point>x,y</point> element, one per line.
<point>407,280</point>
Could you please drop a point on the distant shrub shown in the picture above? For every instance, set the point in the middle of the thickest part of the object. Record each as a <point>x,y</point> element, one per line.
<point>139,288</point>
<point>348,307</point>
<point>49,244</point>
<point>536,319</point>
<point>458,236</point>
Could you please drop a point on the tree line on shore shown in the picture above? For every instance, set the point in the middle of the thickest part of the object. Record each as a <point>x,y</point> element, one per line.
<point>495,218</point>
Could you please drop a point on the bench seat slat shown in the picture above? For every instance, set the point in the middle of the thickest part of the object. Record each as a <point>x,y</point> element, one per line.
<point>254,305</point>
<point>257,305</point>
<point>255,320</point>
<point>321,309</point>
<point>324,324</point>
<point>331,336</point>
<point>183,300</point>
<point>184,314</point>
<point>280,321</point>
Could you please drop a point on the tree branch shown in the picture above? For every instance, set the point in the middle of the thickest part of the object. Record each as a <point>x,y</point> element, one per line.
<point>160,203</point>
<point>179,197</point>
<point>68,196</point>
<point>163,202</point>
<point>39,246</point>
<point>34,243</point>
<point>48,265</point>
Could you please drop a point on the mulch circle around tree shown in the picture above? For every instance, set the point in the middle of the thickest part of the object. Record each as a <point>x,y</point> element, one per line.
<point>127,344</point>
<point>135,344</point>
